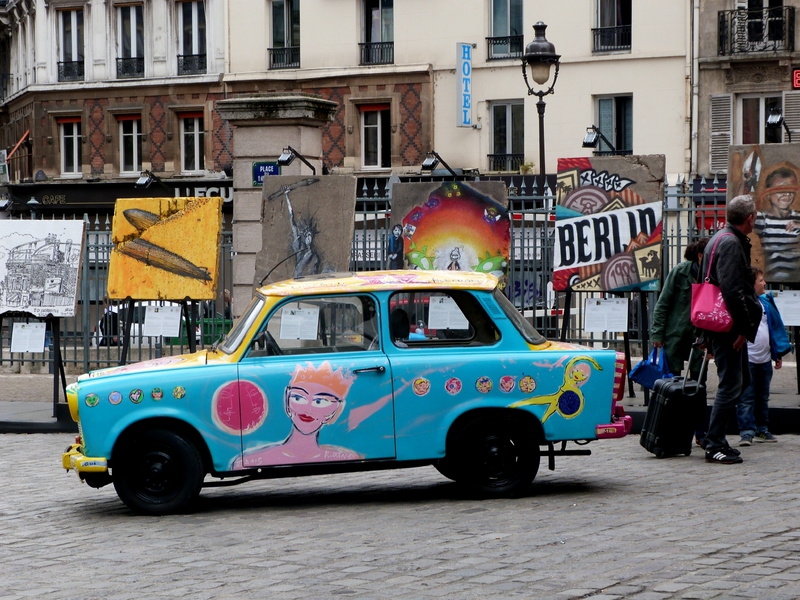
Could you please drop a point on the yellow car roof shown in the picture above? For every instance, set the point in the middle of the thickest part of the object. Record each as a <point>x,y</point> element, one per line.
<point>369,281</point>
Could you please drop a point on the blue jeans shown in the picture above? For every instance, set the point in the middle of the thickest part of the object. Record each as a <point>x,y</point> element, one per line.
<point>734,376</point>
<point>753,407</point>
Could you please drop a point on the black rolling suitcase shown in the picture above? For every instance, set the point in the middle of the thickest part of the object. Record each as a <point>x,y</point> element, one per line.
<point>671,415</point>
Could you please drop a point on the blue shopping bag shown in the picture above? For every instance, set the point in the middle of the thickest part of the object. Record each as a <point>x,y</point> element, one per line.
<point>651,369</point>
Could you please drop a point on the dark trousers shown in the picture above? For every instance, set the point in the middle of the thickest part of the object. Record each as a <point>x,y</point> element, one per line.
<point>733,369</point>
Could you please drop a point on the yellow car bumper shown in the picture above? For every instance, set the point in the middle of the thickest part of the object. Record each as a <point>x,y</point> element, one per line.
<point>74,460</point>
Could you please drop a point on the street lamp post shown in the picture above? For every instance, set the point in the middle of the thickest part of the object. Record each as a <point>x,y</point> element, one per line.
<point>541,56</point>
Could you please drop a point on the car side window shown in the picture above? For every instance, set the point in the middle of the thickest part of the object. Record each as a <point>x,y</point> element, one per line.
<point>319,325</point>
<point>434,318</point>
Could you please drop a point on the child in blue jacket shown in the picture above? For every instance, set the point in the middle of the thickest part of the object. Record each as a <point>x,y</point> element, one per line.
<point>771,344</point>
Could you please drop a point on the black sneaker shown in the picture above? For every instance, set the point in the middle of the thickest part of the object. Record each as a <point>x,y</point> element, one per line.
<point>723,456</point>
<point>765,436</point>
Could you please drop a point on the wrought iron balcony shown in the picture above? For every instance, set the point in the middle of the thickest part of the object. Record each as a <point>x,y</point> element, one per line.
<point>509,46</point>
<point>611,39</point>
<point>191,64</point>
<point>70,71</point>
<point>130,68</point>
<point>613,152</point>
<point>376,53</point>
<point>766,30</point>
<point>284,58</point>
<point>505,162</point>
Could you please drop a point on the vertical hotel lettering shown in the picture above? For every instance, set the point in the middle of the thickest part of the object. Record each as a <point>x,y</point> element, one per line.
<point>464,87</point>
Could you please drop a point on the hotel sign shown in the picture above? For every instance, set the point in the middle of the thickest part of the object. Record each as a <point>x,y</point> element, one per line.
<point>464,81</point>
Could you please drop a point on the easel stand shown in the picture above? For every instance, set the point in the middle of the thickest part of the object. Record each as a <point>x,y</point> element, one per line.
<point>58,369</point>
<point>186,313</point>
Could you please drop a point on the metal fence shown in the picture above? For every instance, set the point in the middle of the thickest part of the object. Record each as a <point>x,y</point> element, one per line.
<point>688,215</point>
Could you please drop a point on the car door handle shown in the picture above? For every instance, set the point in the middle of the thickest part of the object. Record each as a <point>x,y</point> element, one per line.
<point>380,369</point>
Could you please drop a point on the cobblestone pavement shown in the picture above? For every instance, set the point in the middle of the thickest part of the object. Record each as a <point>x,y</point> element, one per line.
<point>617,524</point>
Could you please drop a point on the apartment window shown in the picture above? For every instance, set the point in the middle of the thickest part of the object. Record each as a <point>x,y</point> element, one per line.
<point>192,142</point>
<point>508,136</point>
<point>130,36</point>
<point>613,31</point>
<point>70,45</point>
<point>378,45</point>
<point>70,134</point>
<point>506,36</point>
<point>285,50</point>
<point>191,38</point>
<point>752,111</point>
<point>376,136</point>
<point>615,120</point>
<point>130,144</point>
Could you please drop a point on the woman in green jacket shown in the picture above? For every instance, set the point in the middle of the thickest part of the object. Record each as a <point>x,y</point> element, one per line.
<point>672,323</point>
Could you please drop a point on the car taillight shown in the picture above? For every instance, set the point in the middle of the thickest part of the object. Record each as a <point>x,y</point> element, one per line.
<point>619,381</point>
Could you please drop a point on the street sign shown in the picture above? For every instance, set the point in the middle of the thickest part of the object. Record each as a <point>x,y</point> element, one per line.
<point>260,169</point>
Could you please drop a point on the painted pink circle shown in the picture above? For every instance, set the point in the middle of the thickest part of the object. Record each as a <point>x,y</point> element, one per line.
<point>244,416</point>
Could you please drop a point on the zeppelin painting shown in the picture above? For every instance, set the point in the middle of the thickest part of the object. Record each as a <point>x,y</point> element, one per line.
<point>165,248</point>
<point>40,264</point>
<point>608,223</point>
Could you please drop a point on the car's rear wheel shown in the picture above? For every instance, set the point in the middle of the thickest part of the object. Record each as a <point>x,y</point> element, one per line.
<point>158,472</point>
<point>496,456</point>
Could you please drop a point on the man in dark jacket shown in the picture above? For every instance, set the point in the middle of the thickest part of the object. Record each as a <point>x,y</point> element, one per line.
<point>730,270</point>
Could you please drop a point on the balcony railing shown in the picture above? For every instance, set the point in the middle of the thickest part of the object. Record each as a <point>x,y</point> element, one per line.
<point>70,71</point>
<point>377,53</point>
<point>610,39</point>
<point>191,64</point>
<point>766,30</point>
<point>505,162</point>
<point>284,58</point>
<point>613,152</point>
<point>505,47</point>
<point>130,68</point>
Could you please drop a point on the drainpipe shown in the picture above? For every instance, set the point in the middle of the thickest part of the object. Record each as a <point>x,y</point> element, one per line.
<point>695,25</point>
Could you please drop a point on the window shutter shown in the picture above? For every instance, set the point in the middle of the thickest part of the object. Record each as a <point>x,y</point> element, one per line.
<point>720,127</point>
<point>791,113</point>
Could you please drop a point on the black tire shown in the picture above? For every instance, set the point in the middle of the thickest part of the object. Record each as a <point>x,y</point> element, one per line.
<point>659,452</point>
<point>447,469</point>
<point>158,472</point>
<point>495,457</point>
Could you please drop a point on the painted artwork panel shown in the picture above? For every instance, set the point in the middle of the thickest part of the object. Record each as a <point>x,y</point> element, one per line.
<point>40,266</point>
<point>456,226</point>
<point>770,174</point>
<point>307,226</point>
<point>165,248</point>
<point>608,223</point>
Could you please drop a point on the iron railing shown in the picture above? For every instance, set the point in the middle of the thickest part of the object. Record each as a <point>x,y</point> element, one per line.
<point>612,152</point>
<point>505,162</point>
<point>70,71</point>
<point>191,64</point>
<point>766,30</point>
<point>130,68</point>
<point>284,58</point>
<point>610,39</point>
<point>376,53</point>
<point>509,46</point>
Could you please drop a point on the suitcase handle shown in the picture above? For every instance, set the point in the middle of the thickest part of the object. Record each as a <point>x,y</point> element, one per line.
<point>699,376</point>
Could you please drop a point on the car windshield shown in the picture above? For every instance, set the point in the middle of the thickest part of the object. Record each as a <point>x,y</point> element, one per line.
<point>235,336</point>
<point>527,330</point>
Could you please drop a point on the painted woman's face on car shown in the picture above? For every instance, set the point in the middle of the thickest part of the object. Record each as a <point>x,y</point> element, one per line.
<point>311,406</point>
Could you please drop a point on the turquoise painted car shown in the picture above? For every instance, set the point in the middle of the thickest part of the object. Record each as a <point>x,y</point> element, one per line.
<point>349,372</point>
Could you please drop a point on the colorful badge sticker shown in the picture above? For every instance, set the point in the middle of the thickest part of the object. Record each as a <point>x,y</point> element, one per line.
<point>452,386</point>
<point>507,383</point>
<point>527,384</point>
<point>483,385</point>
<point>239,407</point>
<point>179,392</point>
<point>157,394</point>
<point>421,386</point>
<point>92,399</point>
<point>115,397</point>
<point>136,396</point>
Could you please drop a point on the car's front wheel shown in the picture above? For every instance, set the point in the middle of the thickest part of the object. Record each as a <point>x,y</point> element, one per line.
<point>496,456</point>
<point>158,472</point>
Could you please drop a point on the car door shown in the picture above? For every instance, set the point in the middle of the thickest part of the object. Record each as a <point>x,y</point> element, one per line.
<point>318,369</point>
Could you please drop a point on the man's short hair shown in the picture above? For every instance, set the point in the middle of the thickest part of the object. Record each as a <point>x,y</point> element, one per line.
<point>783,173</point>
<point>739,209</point>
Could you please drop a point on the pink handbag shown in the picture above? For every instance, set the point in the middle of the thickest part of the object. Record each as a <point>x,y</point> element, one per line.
<point>709,310</point>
